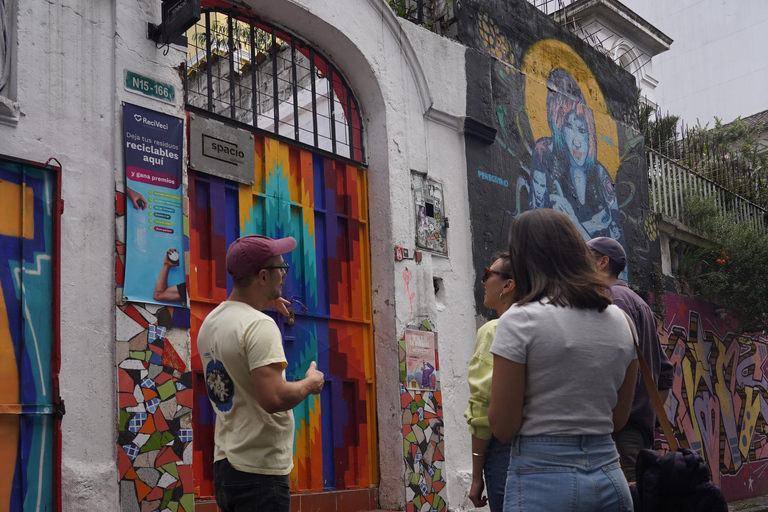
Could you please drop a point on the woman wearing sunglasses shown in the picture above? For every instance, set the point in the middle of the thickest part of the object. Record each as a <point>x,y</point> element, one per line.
<point>489,455</point>
<point>564,374</point>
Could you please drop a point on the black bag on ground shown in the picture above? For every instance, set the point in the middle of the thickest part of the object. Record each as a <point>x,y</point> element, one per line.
<point>679,481</point>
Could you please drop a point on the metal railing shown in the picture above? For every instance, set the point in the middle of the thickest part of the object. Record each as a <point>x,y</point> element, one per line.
<point>435,15</point>
<point>670,183</point>
<point>550,6</point>
<point>249,71</point>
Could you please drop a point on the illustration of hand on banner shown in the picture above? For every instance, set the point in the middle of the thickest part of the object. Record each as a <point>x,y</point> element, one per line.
<point>154,259</point>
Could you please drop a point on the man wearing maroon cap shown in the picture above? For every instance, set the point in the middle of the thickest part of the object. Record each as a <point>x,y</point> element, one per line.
<point>637,434</point>
<point>241,349</point>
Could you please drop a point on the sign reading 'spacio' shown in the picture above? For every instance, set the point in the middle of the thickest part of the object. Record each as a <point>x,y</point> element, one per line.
<point>221,150</point>
<point>154,259</point>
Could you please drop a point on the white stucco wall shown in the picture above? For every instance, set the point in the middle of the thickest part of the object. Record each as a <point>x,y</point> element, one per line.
<point>65,94</point>
<point>65,90</point>
<point>716,65</point>
<point>625,51</point>
<point>70,61</point>
<point>443,64</point>
<point>412,89</point>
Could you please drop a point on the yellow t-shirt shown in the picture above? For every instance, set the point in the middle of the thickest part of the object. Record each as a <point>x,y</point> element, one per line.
<point>233,340</point>
<point>479,379</point>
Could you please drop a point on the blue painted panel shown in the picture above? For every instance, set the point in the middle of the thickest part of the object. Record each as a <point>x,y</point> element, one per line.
<point>26,280</point>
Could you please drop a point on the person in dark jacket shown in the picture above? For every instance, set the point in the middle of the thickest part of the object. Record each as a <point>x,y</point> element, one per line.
<point>637,434</point>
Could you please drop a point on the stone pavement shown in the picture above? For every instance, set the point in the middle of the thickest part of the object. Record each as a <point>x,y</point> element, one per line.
<point>756,504</point>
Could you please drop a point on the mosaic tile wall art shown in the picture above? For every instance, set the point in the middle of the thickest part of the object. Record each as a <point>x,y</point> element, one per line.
<point>155,398</point>
<point>423,445</point>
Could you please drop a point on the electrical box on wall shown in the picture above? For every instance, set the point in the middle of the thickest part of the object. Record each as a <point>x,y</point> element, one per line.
<point>178,17</point>
<point>431,223</point>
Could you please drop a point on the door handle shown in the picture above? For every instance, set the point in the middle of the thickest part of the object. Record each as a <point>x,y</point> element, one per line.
<point>291,316</point>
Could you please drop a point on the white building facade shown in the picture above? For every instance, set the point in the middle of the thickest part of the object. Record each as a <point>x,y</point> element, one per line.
<point>714,68</point>
<point>65,101</point>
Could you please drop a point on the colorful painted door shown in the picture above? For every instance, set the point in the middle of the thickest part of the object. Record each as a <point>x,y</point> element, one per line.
<point>322,203</point>
<point>27,337</point>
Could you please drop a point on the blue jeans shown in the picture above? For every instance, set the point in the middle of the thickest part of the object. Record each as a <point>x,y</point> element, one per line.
<point>569,473</point>
<point>495,471</point>
<point>237,491</point>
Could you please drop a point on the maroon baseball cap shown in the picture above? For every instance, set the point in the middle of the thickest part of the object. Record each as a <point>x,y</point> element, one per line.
<point>249,253</point>
<point>608,247</point>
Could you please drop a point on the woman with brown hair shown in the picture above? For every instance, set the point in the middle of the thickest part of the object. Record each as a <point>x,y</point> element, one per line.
<point>564,374</point>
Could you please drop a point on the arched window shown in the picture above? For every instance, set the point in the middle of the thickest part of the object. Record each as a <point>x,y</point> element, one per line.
<point>625,61</point>
<point>252,72</point>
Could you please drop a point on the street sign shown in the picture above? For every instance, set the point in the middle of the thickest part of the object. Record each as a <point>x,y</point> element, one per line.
<point>140,84</point>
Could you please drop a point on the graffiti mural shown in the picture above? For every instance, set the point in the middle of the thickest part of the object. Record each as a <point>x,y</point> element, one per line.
<point>563,118</point>
<point>322,203</point>
<point>423,446</point>
<point>719,400</point>
<point>155,398</point>
<point>27,341</point>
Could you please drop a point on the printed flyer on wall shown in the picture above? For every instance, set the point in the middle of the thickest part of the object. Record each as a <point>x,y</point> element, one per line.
<point>154,254</point>
<point>420,359</point>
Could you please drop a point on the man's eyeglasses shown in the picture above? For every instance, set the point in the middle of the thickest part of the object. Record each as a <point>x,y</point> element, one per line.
<point>488,272</point>
<point>283,268</point>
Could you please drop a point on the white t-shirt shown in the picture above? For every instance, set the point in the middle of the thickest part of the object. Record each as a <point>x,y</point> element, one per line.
<point>575,361</point>
<point>233,340</point>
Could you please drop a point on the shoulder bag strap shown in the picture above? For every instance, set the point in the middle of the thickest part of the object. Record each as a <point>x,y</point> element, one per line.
<point>650,385</point>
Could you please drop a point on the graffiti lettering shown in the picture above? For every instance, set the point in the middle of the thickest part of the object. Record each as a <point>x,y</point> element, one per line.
<point>718,401</point>
<point>492,178</point>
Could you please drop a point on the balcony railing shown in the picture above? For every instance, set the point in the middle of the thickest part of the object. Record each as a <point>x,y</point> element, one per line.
<point>670,183</point>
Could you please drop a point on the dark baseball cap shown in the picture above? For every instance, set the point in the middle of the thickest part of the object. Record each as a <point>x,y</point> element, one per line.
<point>249,253</point>
<point>608,247</point>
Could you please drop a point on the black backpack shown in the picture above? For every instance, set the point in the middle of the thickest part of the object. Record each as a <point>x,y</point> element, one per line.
<point>675,482</point>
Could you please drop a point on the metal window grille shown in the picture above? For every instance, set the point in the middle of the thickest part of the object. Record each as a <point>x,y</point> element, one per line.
<point>247,70</point>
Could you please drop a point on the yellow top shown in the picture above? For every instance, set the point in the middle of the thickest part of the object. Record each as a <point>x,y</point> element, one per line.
<point>479,380</point>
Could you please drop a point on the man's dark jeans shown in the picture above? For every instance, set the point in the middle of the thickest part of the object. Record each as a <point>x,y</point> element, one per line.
<point>237,491</point>
<point>629,441</point>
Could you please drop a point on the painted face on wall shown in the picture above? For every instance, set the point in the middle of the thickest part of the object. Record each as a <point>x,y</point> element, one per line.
<point>576,138</point>
<point>539,185</point>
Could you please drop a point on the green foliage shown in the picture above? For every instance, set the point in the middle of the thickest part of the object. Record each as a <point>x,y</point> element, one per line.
<point>241,35</point>
<point>732,155</point>
<point>734,271</point>
<point>436,14</point>
<point>660,132</point>
<point>402,8</point>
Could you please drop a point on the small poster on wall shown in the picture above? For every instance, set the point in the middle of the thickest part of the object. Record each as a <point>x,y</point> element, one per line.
<point>430,214</point>
<point>154,255</point>
<point>420,360</point>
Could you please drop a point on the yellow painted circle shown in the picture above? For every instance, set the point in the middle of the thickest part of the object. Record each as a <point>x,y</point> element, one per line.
<point>540,60</point>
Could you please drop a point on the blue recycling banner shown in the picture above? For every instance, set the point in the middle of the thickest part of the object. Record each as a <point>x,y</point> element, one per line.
<point>154,239</point>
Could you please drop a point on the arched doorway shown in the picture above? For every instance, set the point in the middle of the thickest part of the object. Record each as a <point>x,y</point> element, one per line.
<point>309,183</point>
